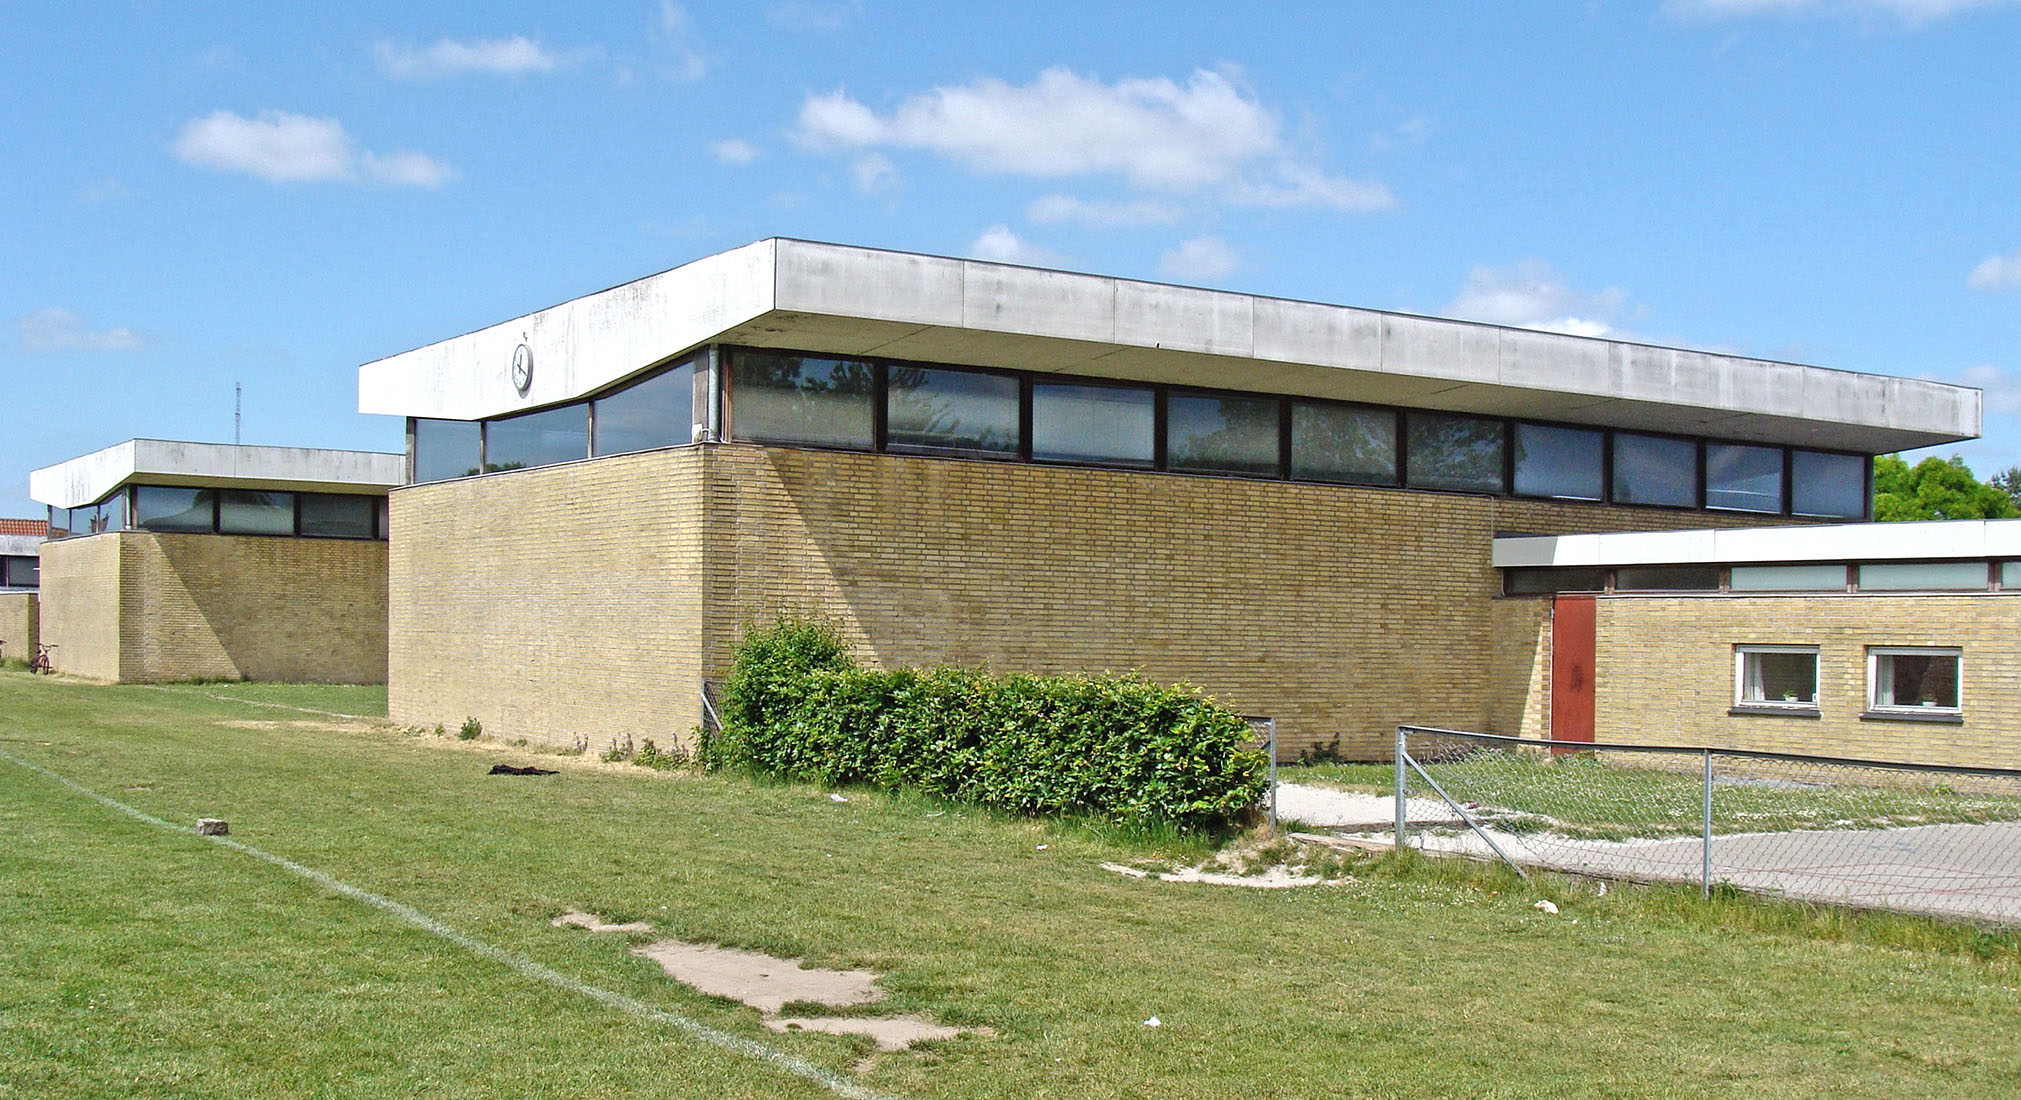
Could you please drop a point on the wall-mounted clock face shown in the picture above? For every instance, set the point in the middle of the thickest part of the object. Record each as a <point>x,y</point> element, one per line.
<point>522,369</point>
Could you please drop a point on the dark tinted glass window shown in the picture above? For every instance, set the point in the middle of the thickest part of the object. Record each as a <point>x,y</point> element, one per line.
<point>1220,435</point>
<point>537,439</point>
<point>112,512</point>
<point>1111,425</point>
<point>1343,443</point>
<point>657,412</point>
<point>24,572</point>
<point>1453,452</point>
<point>1559,462</point>
<point>1654,469</point>
<point>801,399</point>
<point>333,516</point>
<point>1539,582</point>
<point>1828,485</point>
<point>444,449</point>
<point>955,412</point>
<point>162,508</point>
<point>1671,578</point>
<point>1743,478</point>
<point>251,512</point>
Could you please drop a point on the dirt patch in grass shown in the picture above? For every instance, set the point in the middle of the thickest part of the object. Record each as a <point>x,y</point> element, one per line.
<point>1270,878</point>
<point>889,1032</point>
<point>574,919</point>
<point>364,726</point>
<point>762,981</point>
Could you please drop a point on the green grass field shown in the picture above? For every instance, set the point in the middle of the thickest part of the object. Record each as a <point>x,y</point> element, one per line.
<point>137,961</point>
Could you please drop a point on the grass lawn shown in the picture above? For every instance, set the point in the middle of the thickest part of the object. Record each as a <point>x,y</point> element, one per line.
<point>140,962</point>
<point>1621,796</point>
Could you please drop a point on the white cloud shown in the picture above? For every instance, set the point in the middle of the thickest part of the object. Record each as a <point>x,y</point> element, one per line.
<point>1996,273</point>
<point>999,244</point>
<point>813,15</point>
<point>280,147</point>
<point>1532,295</point>
<point>873,173</point>
<point>1205,135</point>
<point>514,56</point>
<point>58,329</point>
<point>734,151</point>
<point>1911,12</point>
<point>684,60</point>
<point>1202,258</point>
<point>1057,209</point>
<point>2003,390</point>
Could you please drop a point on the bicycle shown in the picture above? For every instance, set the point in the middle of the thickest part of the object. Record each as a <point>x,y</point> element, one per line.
<point>41,661</point>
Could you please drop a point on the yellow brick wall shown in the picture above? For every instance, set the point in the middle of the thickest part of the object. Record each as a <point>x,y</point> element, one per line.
<point>245,607</point>
<point>1519,680</point>
<point>80,605</point>
<point>1664,672</point>
<point>1340,611</point>
<point>18,625</point>
<point>551,603</point>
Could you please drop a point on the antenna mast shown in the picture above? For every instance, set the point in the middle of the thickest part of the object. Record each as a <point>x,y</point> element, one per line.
<point>238,405</point>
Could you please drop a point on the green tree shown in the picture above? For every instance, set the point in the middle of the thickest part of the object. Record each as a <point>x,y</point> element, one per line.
<point>2008,481</point>
<point>1935,488</point>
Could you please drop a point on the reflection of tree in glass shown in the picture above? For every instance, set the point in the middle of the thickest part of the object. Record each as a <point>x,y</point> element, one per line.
<point>927,409</point>
<point>1455,452</point>
<point>804,374</point>
<point>1343,444</point>
<point>1245,440</point>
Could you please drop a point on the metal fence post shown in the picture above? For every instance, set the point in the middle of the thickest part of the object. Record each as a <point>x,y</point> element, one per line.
<point>1705,869</point>
<point>1273,777</point>
<point>1401,733</point>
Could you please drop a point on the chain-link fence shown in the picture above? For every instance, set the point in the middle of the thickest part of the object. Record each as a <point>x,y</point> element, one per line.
<point>1917,838</point>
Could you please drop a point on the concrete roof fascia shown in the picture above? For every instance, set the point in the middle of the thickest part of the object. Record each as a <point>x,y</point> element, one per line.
<point>858,301</point>
<point>1935,540</point>
<point>88,478</point>
<point>20,546</point>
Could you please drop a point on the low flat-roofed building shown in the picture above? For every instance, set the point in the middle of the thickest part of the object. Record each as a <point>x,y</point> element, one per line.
<point>179,561</point>
<point>20,578</point>
<point>1289,504</point>
<point>1887,641</point>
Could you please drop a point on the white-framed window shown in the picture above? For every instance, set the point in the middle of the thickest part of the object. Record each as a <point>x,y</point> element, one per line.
<point>1915,679</point>
<point>1775,676</point>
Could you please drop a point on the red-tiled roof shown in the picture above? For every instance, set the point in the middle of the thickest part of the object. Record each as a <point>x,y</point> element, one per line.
<point>36,527</point>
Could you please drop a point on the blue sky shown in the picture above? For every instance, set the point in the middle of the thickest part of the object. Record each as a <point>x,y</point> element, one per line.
<point>197,195</point>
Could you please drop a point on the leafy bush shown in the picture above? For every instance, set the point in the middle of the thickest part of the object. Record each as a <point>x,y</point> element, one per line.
<point>796,704</point>
<point>472,730</point>
<point>652,756</point>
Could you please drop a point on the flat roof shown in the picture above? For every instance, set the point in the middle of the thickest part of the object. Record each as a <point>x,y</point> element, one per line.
<point>1935,540</point>
<point>88,478</point>
<point>20,546</point>
<point>842,300</point>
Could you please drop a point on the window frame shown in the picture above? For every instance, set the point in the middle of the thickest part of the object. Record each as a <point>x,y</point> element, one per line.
<point>1744,705</point>
<point>1922,711</point>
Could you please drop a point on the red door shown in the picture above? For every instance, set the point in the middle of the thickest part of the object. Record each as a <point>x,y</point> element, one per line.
<point>1572,669</point>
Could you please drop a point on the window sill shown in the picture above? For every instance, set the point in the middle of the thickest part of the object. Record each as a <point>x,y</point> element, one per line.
<point>1940,717</point>
<point>1758,710</point>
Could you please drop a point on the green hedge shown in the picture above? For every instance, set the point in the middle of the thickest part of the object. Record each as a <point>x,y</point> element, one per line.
<point>798,705</point>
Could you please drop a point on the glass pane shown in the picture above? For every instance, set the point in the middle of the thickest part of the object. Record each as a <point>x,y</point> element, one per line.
<point>537,439</point>
<point>24,572</point>
<point>161,508</point>
<point>801,399</point>
<point>1539,582</point>
<point>1771,677</point>
<point>951,412</point>
<point>2010,575</point>
<point>1221,435</point>
<point>1742,478</point>
<point>1111,425</point>
<point>1343,443</point>
<point>1828,485</point>
<point>1453,452</point>
<point>385,517</point>
<point>1654,469</point>
<point>658,412</point>
<point>251,512</point>
<point>444,449</point>
<point>59,523</point>
<point>1916,680</point>
<point>1785,578</point>
<point>1558,462</point>
<point>112,512</point>
<point>1668,578</point>
<point>1896,576</point>
<point>333,516</point>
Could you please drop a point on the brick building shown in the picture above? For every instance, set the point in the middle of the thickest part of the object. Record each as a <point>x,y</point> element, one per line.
<point>1289,504</point>
<point>20,577</point>
<point>182,561</point>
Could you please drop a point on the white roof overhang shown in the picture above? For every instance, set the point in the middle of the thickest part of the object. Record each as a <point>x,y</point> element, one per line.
<point>88,478</point>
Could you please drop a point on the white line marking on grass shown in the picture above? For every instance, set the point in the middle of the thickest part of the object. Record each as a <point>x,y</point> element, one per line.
<point>261,703</point>
<point>701,1032</point>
